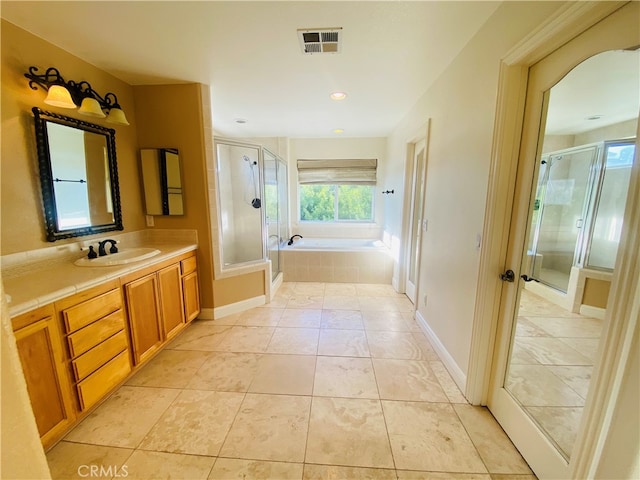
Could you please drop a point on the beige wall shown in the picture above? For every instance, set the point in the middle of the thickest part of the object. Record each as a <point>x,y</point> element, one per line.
<point>22,214</point>
<point>235,289</point>
<point>171,116</point>
<point>596,292</point>
<point>461,105</point>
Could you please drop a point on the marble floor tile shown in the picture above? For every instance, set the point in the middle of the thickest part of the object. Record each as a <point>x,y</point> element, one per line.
<point>334,472</point>
<point>509,476</point>
<point>536,385</point>
<point>430,437</point>
<point>382,320</point>
<point>199,336</point>
<point>309,288</point>
<point>278,301</point>
<point>376,290</point>
<point>169,369</point>
<point>144,465</point>
<point>196,423</point>
<point>246,339</point>
<point>587,347</point>
<point>284,374</point>
<point>403,304</point>
<point>345,377</point>
<point>125,417</point>
<point>519,356</point>
<point>414,475</point>
<point>342,319</point>
<point>398,345</point>
<point>260,317</point>
<point>340,289</point>
<point>302,341</point>
<point>226,372</point>
<point>305,301</point>
<point>349,432</point>
<point>407,380</point>
<point>561,423</point>
<point>532,305</point>
<point>578,378</point>
<point>380,303</point>
<point>341,302</point>
<point>525,328</point>
<point>269,427</point>
<point>551,351</point>
<point>238,469</point>
<point>300,318</point>
<point>496,450</point>
<point>569,327</point>
<point>426,347</point>
<point>343,343</point>
<point>450,388</point>
<point>71,461</point>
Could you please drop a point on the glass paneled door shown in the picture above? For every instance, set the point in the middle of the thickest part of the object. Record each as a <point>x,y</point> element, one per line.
<point>276,207</point>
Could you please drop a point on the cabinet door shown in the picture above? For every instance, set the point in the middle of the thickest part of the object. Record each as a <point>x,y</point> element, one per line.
<point>144,316</point>
<point>191,296</point>
<point>171,299</point>
<point>42,358</point>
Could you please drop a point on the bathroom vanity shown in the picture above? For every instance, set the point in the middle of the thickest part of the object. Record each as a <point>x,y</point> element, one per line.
<point>76,348</point>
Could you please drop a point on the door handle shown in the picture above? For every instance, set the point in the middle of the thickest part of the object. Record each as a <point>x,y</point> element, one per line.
<point>528,279</point>
<point>508,276</point>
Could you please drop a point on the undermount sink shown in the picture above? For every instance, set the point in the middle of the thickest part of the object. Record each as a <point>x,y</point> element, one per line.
<point>124,256</point>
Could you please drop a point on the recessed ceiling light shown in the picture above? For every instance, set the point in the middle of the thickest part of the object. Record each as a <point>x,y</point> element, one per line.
<point>594,117</point>
<point>241,120</point>
<point>338,96</point>
<point>338,130</point>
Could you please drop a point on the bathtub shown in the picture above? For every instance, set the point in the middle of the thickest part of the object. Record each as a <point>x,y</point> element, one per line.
<point>348,260</point>
<point>345,244</point>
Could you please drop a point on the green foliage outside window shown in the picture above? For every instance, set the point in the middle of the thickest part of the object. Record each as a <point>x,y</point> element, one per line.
<point>331,203</point>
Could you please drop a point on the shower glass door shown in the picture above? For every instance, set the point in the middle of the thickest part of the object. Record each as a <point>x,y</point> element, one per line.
<point>272,213</point>
<point>562,216</point>
<point>240,203</point>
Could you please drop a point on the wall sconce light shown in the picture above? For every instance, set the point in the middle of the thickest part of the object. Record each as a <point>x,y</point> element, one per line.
<point>63,94</point>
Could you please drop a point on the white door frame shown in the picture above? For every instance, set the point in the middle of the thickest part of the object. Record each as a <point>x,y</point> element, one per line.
<point>421,133</point>
<point>571,20</point>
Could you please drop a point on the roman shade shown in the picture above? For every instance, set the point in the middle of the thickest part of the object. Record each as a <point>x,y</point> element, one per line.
<point>338,171</point>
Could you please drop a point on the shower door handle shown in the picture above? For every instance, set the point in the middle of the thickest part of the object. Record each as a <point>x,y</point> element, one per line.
<point>528,279</point>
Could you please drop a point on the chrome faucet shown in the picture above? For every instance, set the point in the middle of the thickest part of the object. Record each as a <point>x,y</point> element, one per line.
<point>101,250</point>
<point>290,242</point>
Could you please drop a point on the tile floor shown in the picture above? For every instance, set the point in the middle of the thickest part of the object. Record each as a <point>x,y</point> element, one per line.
<point>329,381</point>
<point>552,360</point>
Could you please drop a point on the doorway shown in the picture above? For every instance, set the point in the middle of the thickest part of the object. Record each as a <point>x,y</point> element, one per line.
<point>417,223</point>
<point>547,364</point>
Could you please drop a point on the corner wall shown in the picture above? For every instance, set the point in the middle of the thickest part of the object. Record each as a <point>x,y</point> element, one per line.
<point>461,105</point>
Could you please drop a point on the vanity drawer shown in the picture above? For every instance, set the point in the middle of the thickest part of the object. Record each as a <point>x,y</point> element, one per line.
<point>88,312</point>
<point>102,381</point>
<point>90,361</point>
<point>91,335</point>
<point>188,265</point>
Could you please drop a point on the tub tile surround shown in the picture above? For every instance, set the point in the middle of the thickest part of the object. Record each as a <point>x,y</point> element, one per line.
<point>39,277</point>
<point>316,393</point>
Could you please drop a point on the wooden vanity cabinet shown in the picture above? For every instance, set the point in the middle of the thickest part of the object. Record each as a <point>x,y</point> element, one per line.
<point>160,301</point>
<point>96,333</point>
<point>42,356</point>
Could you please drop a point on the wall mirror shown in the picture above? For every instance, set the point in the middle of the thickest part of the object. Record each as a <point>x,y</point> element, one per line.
<point>78,176</point>
<point>162,181</point>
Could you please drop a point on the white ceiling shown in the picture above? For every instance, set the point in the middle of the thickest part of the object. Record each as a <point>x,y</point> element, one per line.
<point>249,53</point>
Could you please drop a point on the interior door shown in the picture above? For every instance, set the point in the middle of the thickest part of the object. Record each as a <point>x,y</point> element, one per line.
<point>418,184</point>
<point>531,395</point>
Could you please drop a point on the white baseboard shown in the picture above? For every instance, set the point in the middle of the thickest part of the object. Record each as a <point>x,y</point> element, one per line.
<point>454,370</point>
<point>594,312</point>
<point>226,310</point>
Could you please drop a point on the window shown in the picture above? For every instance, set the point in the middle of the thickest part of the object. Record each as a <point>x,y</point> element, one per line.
<point>336,203</point>
<point>336,190</point>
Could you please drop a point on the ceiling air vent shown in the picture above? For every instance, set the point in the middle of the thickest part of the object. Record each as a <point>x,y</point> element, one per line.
<point>315,41</point>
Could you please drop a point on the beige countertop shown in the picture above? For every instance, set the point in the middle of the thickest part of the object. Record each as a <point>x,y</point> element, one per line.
<point>47,283</point>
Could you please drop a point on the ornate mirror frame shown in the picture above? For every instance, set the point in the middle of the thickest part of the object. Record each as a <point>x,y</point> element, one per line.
<point>53,232</point>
